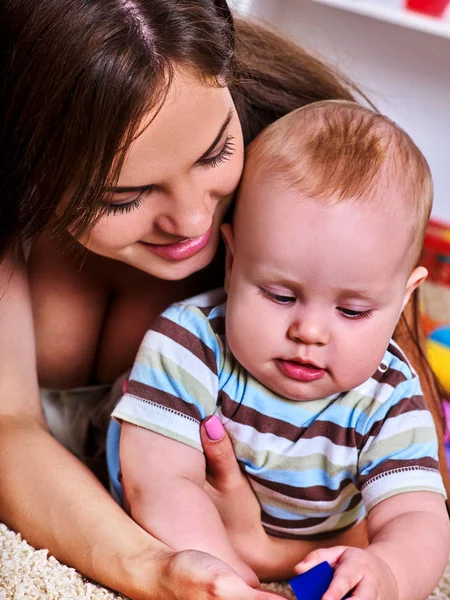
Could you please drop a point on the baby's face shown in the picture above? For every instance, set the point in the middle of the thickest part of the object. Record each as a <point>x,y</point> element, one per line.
<point>314,291</point>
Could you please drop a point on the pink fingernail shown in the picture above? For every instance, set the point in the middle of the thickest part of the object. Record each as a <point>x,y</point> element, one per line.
<point>214,428</point>
<point>124,386</point>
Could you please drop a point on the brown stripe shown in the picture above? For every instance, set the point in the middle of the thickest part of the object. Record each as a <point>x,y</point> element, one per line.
<point>205,310</point>
<point>390,377</point>
<point>402,465</point>
<point>218,325</point>
<point>319,493</point>
<point>146,392</point>
<point>188,340</point>
<point>317,536</point>
<point>246,415</point>
<point>291,523</point>
<point>398,354</point>
<point>268,519</point>
<point>405,406</point>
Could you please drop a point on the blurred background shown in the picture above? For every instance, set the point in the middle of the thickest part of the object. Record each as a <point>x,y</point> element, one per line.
<point>399,57</point>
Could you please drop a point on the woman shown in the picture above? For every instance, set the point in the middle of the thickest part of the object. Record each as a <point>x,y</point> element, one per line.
<point>123,129</point>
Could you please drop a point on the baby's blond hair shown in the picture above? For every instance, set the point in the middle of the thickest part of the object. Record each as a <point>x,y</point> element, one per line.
<point>335,151</point>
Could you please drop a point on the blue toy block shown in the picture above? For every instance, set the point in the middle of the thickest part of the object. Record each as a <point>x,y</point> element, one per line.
<point>313,584</point>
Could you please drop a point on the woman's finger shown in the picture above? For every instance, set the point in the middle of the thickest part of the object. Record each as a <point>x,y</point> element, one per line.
<point>192,575</point>
<point>222,467</point>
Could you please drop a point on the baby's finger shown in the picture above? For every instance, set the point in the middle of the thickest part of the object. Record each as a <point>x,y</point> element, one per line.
<point>347,576</point>
<point>331,555</point>
<point>365,590</point>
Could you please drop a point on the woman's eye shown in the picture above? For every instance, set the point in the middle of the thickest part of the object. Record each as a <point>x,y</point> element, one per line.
<point>114,208</point>
<point>225,153</point>
<point>348,313</point>
<point>278,298</point>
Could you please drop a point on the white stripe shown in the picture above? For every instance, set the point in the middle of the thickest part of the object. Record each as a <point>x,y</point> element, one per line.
<point>401,480</point>
<point>415,419</point>
<point>181,356</point>
<point>246,434</point>
<point>131,408</point>
<point>381,392</point>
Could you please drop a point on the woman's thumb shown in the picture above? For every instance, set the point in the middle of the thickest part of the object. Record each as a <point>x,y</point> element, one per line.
<point>222,466</point>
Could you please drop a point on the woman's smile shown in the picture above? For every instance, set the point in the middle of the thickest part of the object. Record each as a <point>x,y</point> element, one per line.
<point>182,249</point>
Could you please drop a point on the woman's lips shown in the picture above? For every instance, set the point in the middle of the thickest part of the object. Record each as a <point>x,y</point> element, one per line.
<point>180,250</point>
<point>300,371</point>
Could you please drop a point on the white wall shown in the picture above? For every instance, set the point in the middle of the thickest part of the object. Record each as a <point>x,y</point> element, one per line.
<point>406,73</point>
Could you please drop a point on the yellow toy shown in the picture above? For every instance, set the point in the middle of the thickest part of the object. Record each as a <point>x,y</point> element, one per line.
<point>438,353</point>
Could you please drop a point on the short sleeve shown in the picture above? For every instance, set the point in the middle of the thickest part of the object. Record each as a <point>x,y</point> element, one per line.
<point>399,447</point>
<point>173,384</point>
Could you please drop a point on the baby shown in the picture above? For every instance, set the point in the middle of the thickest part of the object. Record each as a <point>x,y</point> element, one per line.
<point>324,411</point>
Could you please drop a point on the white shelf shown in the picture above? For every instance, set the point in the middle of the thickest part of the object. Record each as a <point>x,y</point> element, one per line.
<point>399,16</point>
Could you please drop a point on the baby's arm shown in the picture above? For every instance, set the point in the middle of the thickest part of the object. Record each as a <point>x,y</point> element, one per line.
<point>409,537</point>
<point>411,534</point>
<point>163,483</point>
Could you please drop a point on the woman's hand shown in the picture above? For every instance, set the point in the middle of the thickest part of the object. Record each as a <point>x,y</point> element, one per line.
<point>192,575</point>
<point>230,490</point>
<point>228,487</point>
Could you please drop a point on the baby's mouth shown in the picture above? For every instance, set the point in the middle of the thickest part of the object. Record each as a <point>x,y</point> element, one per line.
<point>301,371</point>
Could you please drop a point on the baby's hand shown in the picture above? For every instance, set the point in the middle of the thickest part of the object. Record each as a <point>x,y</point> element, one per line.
<point>358,571</point>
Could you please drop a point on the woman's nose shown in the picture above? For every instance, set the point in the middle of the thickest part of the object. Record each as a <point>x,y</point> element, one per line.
<point>309,330</point>
<point>187,212</point>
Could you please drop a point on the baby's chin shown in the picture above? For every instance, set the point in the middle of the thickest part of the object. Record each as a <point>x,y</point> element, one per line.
<point>303,391</point>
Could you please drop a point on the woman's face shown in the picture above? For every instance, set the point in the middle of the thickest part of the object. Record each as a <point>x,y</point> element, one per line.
<point>177,181</point>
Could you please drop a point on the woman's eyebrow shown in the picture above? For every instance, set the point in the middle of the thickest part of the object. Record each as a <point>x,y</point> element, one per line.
<point>218,136</point>
<point>144,188</point>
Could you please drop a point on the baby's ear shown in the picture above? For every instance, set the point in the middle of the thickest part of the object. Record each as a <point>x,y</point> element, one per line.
<point>228,238</point>
<point>417,277</point>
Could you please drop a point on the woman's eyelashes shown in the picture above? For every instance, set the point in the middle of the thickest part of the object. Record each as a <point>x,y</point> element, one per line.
<point>223,155</point>
<point>113,208</point>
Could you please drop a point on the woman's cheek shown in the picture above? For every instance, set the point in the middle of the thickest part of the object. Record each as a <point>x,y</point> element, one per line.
<point>117,231</point>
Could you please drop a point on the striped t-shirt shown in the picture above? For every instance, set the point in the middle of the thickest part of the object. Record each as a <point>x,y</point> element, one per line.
<point>316,466</point>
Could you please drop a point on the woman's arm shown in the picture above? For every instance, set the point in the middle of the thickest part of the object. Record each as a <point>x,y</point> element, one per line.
<point>56,503</point>
<point>46,494</point>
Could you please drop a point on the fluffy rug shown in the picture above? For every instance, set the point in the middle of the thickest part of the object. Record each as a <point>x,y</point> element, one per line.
<point>29,574</point>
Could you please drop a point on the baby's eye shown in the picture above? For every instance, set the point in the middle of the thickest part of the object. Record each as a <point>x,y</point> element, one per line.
<point>348,313</point>
<point>278,298</point>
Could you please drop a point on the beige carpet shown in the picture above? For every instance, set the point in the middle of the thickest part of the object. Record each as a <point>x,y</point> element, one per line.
<point>28,574</point>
